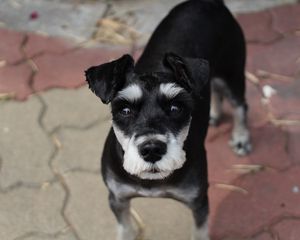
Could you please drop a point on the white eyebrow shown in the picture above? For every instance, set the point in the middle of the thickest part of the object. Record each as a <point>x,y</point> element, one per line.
<point>131,93</point>
<point>170,90</point>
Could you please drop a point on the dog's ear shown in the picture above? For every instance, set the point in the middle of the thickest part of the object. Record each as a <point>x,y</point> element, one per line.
<point>190,73</point>
<point>107,79</point>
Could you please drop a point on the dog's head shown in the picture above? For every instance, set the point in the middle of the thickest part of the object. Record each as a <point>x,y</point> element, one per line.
<point>151,112</point>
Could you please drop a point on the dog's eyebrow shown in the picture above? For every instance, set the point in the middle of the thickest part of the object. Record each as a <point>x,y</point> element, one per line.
<point>131,93</point>
<point>170,90</point>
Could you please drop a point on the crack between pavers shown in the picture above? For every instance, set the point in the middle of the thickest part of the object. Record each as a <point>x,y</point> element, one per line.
<point>270,25</point>
<point>88,126</point>
<point>24,185</point>
<point>83,170</point>
<point>279,123</point>
<point>269,228</point>
<point>31,234</point>
<point>76,46</point>
<point>277,30</point>
<point>56,172</point>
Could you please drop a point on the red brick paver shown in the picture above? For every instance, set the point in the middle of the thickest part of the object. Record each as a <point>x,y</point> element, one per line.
<point>10,42</point>
<point>15,80</point>
<point>67,70</point>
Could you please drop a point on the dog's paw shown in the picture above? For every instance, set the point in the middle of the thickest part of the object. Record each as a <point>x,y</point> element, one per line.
<point>240,143</point>
<point>127,233</point>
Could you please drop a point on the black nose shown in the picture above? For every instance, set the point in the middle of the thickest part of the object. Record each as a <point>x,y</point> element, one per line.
<point>152,150</point>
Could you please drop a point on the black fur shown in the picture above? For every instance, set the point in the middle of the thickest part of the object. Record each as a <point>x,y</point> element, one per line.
<point>193,34</point>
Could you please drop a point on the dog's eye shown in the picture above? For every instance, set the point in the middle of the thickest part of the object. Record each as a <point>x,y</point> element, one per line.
<point>126,111</point>
<point>175,109</point>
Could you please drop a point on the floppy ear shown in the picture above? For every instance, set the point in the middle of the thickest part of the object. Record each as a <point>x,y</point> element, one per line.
<point>190,73</point>
<point>105,80</point>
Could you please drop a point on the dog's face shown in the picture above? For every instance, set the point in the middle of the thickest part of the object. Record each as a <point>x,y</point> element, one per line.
<point>151,112</point>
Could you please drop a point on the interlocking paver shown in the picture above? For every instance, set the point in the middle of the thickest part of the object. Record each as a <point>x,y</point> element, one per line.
<point>276,58</point>
<point>10,43</point>
<point>31,210</point>
<point>174,222</point>
<point>74,108</point>
<point>288,229</point>
<point>25,149</point>
<point>287,18</point>
<point>15,80</point>
<point>41,236</point>
<point>264,236</point>
<point>39,44</point>
<point>53,17</point>
<point>75,154</point>
<point>293,146</point>
<point>244,6</point>
<point>164,218</point>
<point>142,16</point>
<point>270,195</point>
<point>67,70</point>
<point>87,208</point>
<point>258,27</point>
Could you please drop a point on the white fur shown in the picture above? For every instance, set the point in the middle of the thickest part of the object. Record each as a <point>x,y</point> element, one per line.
<point>170,90</point>
<point>240,139</point>
<point>136,165</point>
<point>125,231</point>
<point>124,191</point>
<point>201,233</point>
<point>131,93</point>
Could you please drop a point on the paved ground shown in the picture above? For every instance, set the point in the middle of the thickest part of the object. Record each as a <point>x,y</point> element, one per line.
<point>52,128</point>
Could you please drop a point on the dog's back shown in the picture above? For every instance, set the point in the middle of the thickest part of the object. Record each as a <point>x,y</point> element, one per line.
<point>196,29</point>
<point>206,29</point>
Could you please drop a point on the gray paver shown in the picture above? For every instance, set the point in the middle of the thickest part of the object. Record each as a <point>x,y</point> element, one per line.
<point>164,218</point>
<point>81,149</point>
<point>88,209</point>
<point>89,212</point>
<point>25,149</point>
<point>64,236</point>
<point>243,6</point>
<point>68,18</point>
<point>144,16</point>
<point>28,210</point>
<point>77,108</point>
<point>54,17</point>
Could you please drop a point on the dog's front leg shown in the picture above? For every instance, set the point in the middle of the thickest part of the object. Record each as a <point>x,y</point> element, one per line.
<point>200,213</point>
<point>121,209</point>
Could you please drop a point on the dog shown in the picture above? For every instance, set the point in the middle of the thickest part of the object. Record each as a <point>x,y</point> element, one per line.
<point>161,110</point>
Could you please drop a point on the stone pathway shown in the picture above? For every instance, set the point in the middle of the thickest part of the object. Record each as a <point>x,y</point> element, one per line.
<point>52,128</point>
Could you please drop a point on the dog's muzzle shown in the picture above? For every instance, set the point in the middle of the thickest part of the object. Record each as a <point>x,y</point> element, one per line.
<point>152,150</point>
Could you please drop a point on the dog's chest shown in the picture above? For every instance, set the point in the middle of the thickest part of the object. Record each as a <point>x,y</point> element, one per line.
<point>122,190</point>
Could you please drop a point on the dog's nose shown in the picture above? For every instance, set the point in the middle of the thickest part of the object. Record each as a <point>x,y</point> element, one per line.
<point>152,151</point>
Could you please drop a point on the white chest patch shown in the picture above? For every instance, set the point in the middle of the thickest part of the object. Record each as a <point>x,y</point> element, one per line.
<point>122,190</point>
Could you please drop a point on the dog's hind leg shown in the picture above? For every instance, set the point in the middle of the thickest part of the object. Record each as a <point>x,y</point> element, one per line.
<point>121,209</point>
<point>240,136</point>
<point>215,113</point>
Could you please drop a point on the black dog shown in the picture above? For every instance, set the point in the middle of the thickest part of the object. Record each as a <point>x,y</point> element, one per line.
<point>161,108</point>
